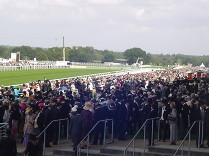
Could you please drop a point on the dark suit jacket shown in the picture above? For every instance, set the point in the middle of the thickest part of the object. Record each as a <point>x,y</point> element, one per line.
<point>76,128</point>
<point>40,122</point>
<point>48,116</point>
<point>8,147</point>
<point>184,114</point>
<point>57,114</point>
<point>207,116</point>
<point>100,113</point>
<point>145,111</point>
<point>123,114</point>
<point>1,114</point>
<point>198,114</point>
<point>152,114</point>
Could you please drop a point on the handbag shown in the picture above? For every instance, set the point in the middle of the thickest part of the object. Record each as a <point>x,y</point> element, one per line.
<point>171,119</point>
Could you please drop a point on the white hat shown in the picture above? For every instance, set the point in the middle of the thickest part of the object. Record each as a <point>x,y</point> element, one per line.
<point>88,105</point>
<point>74,109</point>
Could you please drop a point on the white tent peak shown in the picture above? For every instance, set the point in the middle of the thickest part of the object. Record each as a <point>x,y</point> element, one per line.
<point>202,65</point>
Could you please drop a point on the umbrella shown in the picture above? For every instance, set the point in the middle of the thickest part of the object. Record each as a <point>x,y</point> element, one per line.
<point>199,71</point>
<point>190,72</point>
<point>63,88</point>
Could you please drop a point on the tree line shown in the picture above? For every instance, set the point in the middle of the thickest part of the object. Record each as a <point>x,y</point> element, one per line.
<point>90,54</point>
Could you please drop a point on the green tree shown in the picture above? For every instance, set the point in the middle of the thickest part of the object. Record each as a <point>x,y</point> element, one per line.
<point>55,54</point>
<point>3,52</point>
<point>108,56</point>
<point>41,56</point>
<point>25,52</point>
<point>179,61</point>
<point>82,54</point>
<point>133,54</point>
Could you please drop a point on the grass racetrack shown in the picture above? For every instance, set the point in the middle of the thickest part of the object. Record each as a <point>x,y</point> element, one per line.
<point>8,78</point>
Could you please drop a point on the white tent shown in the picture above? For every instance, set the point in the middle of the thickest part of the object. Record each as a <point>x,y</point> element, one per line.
<point>202,65</point>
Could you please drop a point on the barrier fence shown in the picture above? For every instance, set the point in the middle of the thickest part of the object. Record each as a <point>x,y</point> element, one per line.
<point>32,67</point>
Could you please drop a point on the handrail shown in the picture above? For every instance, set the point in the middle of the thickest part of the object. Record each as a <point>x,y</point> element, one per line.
<point>87,136</point>
<point>132,140</point>
<point>3,125</point>
<point>44,132</point>
<point>189,133</point>
<point>50,125</point>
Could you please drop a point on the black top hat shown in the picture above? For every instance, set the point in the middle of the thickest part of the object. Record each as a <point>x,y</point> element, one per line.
<point>112,106</point>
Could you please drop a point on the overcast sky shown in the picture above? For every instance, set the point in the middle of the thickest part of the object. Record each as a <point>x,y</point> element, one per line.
<point>156,26</point>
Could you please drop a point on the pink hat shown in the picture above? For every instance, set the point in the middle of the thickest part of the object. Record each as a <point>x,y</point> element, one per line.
<point>41,104</point>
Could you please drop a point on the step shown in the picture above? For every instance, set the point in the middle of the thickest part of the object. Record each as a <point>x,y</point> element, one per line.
<point>48,151</point>
<point>115,150</point>
<point>70,152</point>
<point>172,149</point>
<point>20,151</point>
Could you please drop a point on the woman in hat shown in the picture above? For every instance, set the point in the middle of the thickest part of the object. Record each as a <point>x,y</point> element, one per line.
<point>28,127</point>
<point>88,118</point>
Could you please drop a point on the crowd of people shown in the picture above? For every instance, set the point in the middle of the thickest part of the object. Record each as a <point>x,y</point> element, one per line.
<point>128,99</point>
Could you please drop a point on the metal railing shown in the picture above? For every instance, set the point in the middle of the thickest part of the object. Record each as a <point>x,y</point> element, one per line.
<point>3,128</point>
<point>59,132</point>
<point>200,136</point>
<point>88,136</point>
<point>143,127</point>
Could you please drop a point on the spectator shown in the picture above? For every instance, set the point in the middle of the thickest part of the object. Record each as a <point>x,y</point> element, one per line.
<point>48,117</point>
<point>29,121</point>
<point>151,130</point>
<point>123,118</point>
<point>33,146</point>
<point>2,111</point>
<point>88,119</point>
<point>184,117</point>
<point>99,114</point>
<point>200,116</point>
<point>57,114</point>
<point>8,145</point>
<point>15,119</point>
<point>163,113</point>
<point>6,114</point>
<point>76,128</point>
<point>172,117</point>
<point>206,125</point>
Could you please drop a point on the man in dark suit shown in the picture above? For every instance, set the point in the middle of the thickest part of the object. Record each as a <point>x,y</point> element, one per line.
<point>206,124</point>
<point>150,129</point>
<point>136,115</point>
<point>123,118</point>
<point>76,128</point>
<point>48,117</point>
<point>163,114</point>
<point>185,117</point>
<point>99,114</point>
<point>199,116</point>
<point>8,145</point>
<point>57,114</point>
<point>1,112</point>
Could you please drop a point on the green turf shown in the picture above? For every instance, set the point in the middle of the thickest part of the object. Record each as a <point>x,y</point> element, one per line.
<point>8,78</point>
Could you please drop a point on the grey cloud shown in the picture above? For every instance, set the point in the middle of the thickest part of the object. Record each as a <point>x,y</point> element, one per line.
<point>170,26</point>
